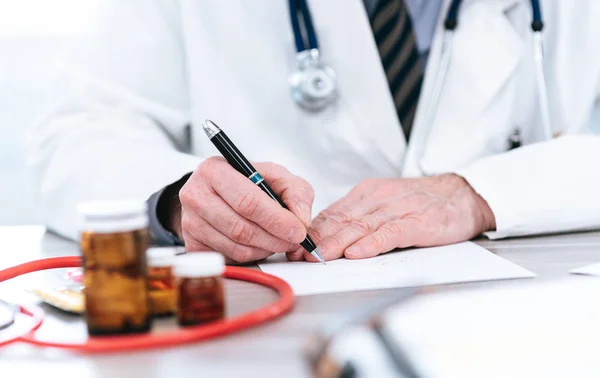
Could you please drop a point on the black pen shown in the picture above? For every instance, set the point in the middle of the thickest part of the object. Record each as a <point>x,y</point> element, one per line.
<point>237,160</point>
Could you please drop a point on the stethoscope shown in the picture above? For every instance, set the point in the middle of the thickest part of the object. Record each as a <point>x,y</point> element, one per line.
<point>313,84</point>
<point>129,343</point>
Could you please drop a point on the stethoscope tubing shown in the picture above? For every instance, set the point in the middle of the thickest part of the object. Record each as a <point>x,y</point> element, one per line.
<point>37,319</point>
<point>450,24</point>
<point>129,343</point>
<point>299,8</point>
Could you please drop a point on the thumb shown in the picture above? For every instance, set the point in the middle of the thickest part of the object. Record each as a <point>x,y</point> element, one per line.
<point>295,192</point>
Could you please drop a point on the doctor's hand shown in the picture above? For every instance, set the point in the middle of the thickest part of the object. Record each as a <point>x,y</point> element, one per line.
<point>221,210</point>
<point>380,215</point>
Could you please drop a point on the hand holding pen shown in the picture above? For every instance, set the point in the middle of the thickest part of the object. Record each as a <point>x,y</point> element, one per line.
<point>229,212</point>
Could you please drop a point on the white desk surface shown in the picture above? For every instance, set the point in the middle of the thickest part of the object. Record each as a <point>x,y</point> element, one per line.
<point>271,350</point>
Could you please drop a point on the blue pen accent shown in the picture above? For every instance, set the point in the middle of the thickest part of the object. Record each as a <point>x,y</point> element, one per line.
<point>256,178</point>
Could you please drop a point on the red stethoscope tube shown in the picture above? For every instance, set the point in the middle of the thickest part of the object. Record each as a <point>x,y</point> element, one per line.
<point>150,341</point>
<point>37,317</point>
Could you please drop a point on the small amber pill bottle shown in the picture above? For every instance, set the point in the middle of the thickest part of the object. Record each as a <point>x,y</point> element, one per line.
<point>113,242</point>
<point>161,281</point>
<point>200,292</point>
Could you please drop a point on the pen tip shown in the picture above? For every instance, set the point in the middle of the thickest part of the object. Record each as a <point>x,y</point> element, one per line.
<point>210,128</point>
<point>317,255</point>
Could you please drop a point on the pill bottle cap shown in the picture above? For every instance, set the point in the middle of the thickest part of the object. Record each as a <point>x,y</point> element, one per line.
<point>107,216</point>
<point>161,256</point>
<point>199,264</point>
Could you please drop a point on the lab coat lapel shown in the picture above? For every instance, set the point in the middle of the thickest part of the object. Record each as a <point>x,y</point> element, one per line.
<point>363,86</point>
<point>475,102</point>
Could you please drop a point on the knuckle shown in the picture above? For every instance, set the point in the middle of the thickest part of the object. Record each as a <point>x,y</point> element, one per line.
<point>206,166</point>
<point>210,166</point>
<point>247,205</point>
<point>241,232</point>
<point>186,223</point>
<point>184,195</point>
<point>393,229</point>
<point>335,242</point>
<point>280,182</point>
<point>377,240</point>
<point>386,234</point>
<point>336,217</point>
<point>315,234</point>
<point>241,254</point>
<point>361,225</point>
<point>381,215</point>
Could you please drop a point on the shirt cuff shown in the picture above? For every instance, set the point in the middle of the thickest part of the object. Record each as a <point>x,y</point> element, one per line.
<point>159,235</point>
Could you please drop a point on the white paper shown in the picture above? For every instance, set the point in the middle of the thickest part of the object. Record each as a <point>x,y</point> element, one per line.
<point>462,262</point>
<point>590,270</point>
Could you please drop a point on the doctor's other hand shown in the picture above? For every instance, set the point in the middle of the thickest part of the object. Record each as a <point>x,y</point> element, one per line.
<point>221,210</point>
<point>380,215</point>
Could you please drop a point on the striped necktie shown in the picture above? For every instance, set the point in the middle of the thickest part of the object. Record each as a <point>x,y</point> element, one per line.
<point>393,32</point>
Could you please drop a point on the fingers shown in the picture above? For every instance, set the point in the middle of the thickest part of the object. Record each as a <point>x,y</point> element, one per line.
<point>336,217</point>
<point>334,229</point>
<point>294,191</point>
<point>227,212</point>
<point>296,255</point>
<point>221,216</point>
<point>333,246</point>
<point>249,201</point>
<point>201,236</point>
<point>401,233</point>
<point>332,220</point>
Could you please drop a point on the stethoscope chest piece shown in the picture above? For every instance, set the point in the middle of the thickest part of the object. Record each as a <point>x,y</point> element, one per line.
<point>313,84</point>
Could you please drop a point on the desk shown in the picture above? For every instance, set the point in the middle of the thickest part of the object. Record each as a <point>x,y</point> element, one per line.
<point>273,350</point>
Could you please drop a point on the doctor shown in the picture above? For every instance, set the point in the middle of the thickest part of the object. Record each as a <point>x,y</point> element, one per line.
<point>401,137</point>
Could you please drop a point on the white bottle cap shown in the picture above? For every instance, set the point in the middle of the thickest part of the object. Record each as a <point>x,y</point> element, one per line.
<point>199,264</point>
<point>161,256</point>
<point>113,216</point>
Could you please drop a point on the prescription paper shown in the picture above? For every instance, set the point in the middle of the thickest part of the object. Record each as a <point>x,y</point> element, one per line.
<point>462,262</point>
<point>589,270</point>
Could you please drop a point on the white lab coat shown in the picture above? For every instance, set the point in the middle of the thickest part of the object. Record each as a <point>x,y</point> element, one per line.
<point>149,68</point>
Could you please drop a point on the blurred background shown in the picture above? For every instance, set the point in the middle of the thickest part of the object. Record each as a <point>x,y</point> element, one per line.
<point>32,33</point>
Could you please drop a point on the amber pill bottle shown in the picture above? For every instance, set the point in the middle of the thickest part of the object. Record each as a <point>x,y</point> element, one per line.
<point>161,281</point>
<point>200,291</point>
<point>113,242</point>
